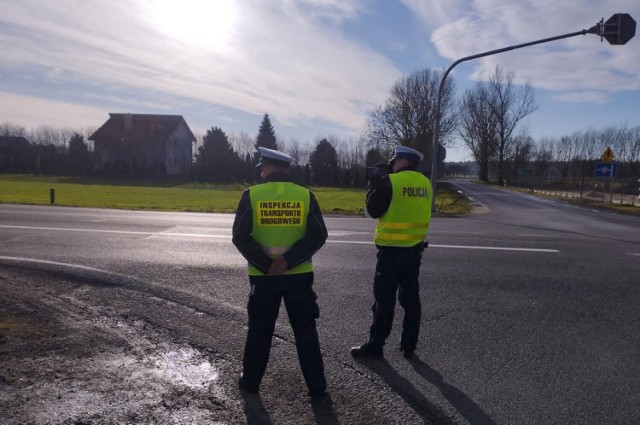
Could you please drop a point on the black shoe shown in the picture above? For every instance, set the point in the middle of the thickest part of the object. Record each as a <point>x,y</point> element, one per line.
<point>406,353</point>
<point>366,350</point>
<point>244,385</point>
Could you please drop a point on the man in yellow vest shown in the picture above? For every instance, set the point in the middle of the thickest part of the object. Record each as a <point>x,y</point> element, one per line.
<point>277,228</point>
<point>401,201</point>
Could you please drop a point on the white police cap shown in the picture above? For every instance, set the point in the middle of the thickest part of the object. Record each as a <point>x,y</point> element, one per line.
<point>270,156</point>
<point>408,153</point>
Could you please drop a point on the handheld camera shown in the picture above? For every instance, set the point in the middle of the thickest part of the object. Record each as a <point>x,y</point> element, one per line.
<point>378,171</point>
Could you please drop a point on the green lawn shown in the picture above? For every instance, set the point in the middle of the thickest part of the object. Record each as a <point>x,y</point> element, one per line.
<point>173,195</point>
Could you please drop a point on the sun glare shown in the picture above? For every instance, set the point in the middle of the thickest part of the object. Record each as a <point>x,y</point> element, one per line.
<point>204,23</point>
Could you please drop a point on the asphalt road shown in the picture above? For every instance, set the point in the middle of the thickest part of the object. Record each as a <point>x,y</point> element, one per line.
<point>531,308</point>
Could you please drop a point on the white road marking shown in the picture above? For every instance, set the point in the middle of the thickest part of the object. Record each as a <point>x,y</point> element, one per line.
<point>496,248</point>
<point>55,263</point>
<point>633,253</point>
<point>125,232</point>
<point>457,232</point>
<point>196,235</point>
<point>347,233</point>
<point>351,242</point>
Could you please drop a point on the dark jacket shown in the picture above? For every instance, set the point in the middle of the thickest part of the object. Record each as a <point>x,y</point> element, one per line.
<point>301,251</point>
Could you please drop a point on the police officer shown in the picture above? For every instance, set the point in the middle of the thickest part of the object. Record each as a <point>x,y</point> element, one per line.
<point>401,201</point>
<point>277,228</point>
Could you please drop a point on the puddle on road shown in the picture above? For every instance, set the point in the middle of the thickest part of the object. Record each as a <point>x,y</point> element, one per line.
<point>186,367</point>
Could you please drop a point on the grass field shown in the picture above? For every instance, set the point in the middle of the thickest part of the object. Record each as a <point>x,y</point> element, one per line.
<point>172,195</point>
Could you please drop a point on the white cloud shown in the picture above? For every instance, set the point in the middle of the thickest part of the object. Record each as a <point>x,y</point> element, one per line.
<point>578,63</point>
<point>579,97</point>
<point>298,60</point>
<point>277,59</point>
<point>32,112</point>
<point>435,11</point>
<point>334,10</point>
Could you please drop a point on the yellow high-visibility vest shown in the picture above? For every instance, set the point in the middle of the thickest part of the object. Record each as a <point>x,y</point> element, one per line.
<point>406,222</point>
<point>280,211</point>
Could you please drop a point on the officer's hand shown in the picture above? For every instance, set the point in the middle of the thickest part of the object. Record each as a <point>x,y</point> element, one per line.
<point>375,173</point>
<point>278,266</point>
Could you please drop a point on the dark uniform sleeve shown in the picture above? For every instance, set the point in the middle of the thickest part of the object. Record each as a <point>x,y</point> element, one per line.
<point>313,239</point>
<point>379,197</point>
<point>242,238</point>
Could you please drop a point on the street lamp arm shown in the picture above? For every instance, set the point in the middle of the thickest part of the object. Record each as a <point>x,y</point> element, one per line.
<point>593,30</point>
<point>596,29</point>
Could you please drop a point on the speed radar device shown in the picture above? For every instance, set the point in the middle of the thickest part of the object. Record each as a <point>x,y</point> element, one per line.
<point>378,171</point>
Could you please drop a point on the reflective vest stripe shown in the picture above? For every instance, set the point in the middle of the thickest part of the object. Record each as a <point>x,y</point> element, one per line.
<point>406,226</point>
<point>402,237</point>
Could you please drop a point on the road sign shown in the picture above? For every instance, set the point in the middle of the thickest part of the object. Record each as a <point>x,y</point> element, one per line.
<point>605,169</point>
<point>607,155</point>
<point>619,28</point>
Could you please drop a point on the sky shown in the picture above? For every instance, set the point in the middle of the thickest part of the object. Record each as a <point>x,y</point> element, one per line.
<point>317,67</point>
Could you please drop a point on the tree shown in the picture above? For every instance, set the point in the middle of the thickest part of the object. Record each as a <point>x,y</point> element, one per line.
<point>78,154</point>
<point>216,160</point>
<point>544,156</point>
<point>477,127</point>
<point>266,135</point>
<point>490,114</point>
<point>242,143</point>
<point>46,135</point>
<point>509,106</point>
<point>49,160</point>
<point>373,157</point>
<point>8,129</point>
<point>297,152</point>
<point>299,155</point>
<point>524,150</point>
<point>324,164</point>
<point>266,138</point>
<point>249,173</point>
<point>351,171</point>
<point>408,116</point>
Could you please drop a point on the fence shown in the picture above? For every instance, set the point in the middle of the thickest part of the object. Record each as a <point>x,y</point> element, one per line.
<point>606,190</point>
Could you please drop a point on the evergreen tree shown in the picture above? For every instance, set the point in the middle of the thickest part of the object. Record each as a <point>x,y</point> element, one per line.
<point>266,135</point>
<point>324,164</point>
<point>78,154</point>
<point>216,160</point>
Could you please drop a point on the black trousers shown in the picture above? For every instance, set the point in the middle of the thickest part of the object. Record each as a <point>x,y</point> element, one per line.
<point>302,309</point>
<point>397,270</point>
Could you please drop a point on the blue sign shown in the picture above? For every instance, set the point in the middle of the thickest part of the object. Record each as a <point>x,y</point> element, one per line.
<point>605,169</point>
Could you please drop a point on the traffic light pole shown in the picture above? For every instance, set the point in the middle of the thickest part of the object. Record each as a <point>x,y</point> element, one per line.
<point>596,29</point>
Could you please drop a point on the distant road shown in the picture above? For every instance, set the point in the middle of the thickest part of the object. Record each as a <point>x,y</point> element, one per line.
<point>530,306</point>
